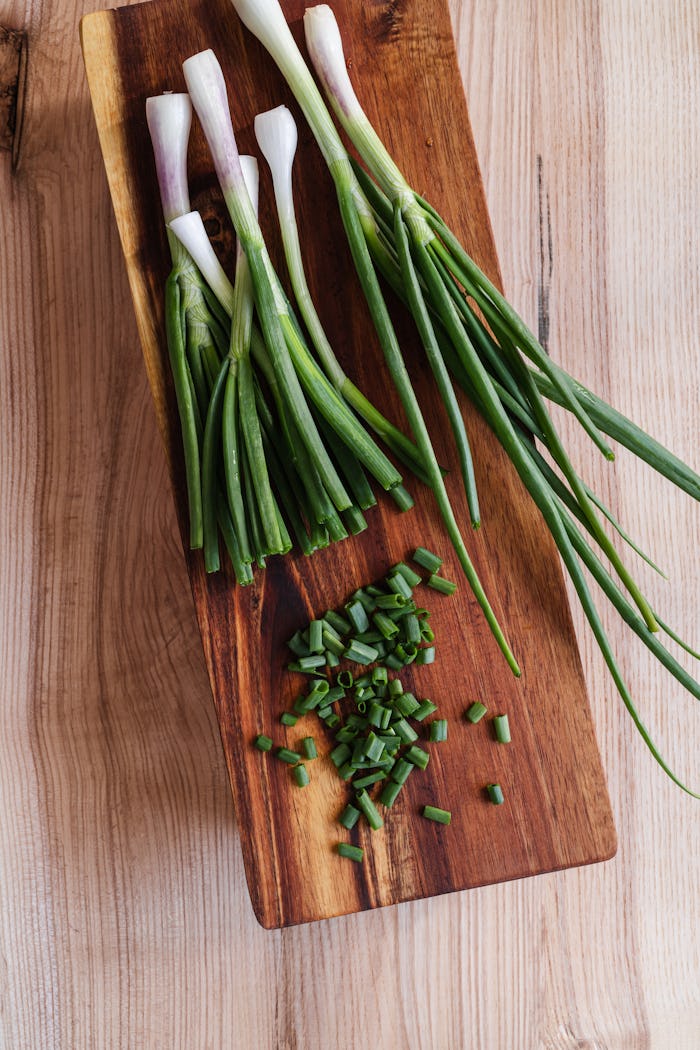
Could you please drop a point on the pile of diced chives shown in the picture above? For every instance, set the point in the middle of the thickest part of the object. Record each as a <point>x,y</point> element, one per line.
<point>382,629</point>
<point>376,744</point>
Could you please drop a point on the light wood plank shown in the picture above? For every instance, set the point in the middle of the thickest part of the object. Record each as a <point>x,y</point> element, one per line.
<point>125,919</point>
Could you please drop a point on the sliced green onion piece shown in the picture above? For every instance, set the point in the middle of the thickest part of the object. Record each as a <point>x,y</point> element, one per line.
<point>426,655</point>
<point>495,794</point>
<point>402,771</point>
<point>406,703</point>
<point>375,715</point>
<point>412,578</point>
<point>346,735</point>
<point>309,747</point>
<point>356,853</point>
<point>349,817</point>
<point>425,708</point>
<point>373,747</point>
<point>425,558</point>
<point>301,775</point>
<point>405,731</point>
<point>397,583</point>
<point>263,743</point>
<point>288,719</point>
<point>339,624</point>
<point>389,793</point>
<point>476,712</point>
<point>285,755</point>
<point>340,755</point>
<point>360,653</point>
<point>369,779</point>
<point>412,629</point>
<point>386,626</point>
<point>438,730</point>
<point>409,652</point>
<point>366,599</point>
<point>297,644</point>
<point>440,816</point>
<point>369,809</point>
<point>417,756</point>
<point>439,583</point>
<point>391,601</point>
<point>316,636</point>
<point>309,663</point>
<point>501,729</point>
<point>357,615</point>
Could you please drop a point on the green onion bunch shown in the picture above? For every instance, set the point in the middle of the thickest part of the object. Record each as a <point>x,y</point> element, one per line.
<point>475,340</point>
<point>270,443</point>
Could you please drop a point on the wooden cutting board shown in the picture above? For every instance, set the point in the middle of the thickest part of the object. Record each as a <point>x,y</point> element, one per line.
<point>556,812</point>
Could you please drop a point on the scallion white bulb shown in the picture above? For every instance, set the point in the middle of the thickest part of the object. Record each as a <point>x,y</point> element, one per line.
<point>169,118</point>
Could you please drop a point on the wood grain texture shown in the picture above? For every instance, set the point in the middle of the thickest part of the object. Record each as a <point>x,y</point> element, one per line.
<point>125,919</point>
<point>557,813</point>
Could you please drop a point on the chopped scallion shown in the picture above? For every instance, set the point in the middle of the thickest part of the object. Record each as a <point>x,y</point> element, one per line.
<point>356,853</point>
<point>301,775</point>
<point>316,636</point>
<point>425,708</point>
<point>286,755</point>
<point>309,747</point>
<point>501,729</point>
<point>369,779</point>
<point>369,809</point>
<point>349,817</point>
<point>440,816</point>
<point>427,560</point>
<point>417,756</point>
<point>476,712</point>
<point>438,730</point>
<point>439,583</point>
<point>389,793</point>
<point>412,578</point>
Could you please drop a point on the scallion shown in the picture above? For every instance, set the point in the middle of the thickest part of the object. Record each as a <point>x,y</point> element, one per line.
<point>356,853</point>
<point>501,729</point>
<point>476,711</point>
<point>301,775</point>
<point>440,816</point>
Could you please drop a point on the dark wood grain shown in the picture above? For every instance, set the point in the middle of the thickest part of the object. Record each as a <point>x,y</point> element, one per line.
<point>557,812</point>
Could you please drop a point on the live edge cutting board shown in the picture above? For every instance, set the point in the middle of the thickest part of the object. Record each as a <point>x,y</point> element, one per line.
<point>556,812</point>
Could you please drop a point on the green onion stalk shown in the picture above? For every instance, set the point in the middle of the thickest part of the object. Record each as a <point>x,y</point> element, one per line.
<point>276,134</point>
<point>290,402</point>
<point>265,19</point>
<point>195,334</point>
<point>476,337</point>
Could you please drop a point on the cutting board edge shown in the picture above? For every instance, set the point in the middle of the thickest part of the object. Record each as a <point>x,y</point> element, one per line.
<point>276,924</point>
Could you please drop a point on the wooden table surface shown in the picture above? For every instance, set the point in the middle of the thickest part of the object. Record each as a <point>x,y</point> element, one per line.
<point>125,917</point>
